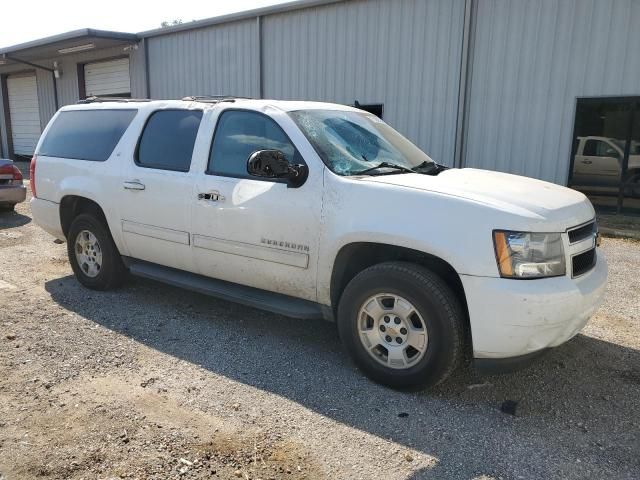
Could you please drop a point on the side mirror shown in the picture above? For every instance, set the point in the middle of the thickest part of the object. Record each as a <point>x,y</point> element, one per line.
<point>273,164</point>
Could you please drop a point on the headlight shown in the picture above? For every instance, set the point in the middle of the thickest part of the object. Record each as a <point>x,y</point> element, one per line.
<point>529,255</point>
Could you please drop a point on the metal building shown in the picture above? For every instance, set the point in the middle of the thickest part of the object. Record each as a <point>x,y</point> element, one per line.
<point>544,88</point>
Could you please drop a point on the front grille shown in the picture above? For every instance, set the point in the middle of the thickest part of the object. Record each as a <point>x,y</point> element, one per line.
<point>583,232</point>
<point>583,262</point>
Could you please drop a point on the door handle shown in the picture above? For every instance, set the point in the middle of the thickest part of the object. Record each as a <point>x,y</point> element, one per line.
<point>211,196</point>
<point>587,162</point>
<point>133,185</point>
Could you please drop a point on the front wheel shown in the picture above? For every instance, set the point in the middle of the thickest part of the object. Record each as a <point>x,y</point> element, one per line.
<point>94,257</point>
<point>402,325</point>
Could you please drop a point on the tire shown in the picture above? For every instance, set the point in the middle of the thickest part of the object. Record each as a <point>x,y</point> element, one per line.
<point>110,271</point>
<point>7,208</point>
<point>413,288</point>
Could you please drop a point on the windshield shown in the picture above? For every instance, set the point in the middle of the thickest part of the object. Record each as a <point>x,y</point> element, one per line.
<point>350,143</point>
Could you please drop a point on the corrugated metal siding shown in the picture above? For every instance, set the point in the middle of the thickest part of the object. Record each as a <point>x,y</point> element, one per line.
<point>138,72</point>
<point>222,59</point>
<point>45,96</point>
<point>404,54</point>
<point>531,61</point>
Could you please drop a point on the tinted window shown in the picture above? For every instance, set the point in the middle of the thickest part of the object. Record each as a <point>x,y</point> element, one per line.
<point>590,148</point>
<point>86,134</point>
<point>238,135</point>
<point>168,139</point>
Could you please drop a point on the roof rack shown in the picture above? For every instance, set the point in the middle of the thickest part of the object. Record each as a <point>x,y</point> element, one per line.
<point>213,98</point>
<point>95,99</point>
<point>192,98</point>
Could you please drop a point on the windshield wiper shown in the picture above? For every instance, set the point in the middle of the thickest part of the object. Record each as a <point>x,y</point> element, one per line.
<point>399,168</point>
<point>429,168</point>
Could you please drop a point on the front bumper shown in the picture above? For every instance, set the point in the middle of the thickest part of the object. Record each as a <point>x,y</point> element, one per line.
<point>512,318</point>
<point>12,194</point>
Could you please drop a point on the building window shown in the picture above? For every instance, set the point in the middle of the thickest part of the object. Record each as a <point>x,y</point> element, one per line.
<point>605,159</point>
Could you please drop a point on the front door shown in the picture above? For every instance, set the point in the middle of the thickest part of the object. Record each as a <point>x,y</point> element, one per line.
<point>255,231</point>
<point>599,163</point>
<point>157,190</point>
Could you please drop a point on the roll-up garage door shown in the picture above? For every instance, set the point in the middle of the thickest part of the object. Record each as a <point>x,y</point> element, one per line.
<point>24,113</point>
<point>107,78</point>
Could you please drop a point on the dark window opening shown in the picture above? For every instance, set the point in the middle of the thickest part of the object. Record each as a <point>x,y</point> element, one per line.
<point>376,109</point>
<point>240,133</point>
<point>86,134</point>
<point>605,159</point>
<point>168,139</point>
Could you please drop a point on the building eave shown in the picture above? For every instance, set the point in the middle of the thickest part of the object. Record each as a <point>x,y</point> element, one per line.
<point>237,16</point>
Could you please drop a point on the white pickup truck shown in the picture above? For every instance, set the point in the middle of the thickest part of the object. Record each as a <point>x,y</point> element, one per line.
<point>317,210</point>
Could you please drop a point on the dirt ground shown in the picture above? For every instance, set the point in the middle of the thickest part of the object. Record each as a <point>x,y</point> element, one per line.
<point>154,382</point>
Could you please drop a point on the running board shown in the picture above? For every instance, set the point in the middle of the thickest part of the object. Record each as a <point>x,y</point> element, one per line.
<point>252,297</point>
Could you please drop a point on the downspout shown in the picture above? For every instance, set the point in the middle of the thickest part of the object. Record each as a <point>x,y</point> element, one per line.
<point>147,79</point>
<point>260,57</point>
<point>464,87</point>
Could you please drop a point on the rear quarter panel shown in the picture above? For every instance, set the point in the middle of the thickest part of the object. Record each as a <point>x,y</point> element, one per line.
<point>101,182</point>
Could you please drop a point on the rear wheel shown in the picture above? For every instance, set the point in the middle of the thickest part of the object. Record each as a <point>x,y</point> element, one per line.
<point>402,325</point>
<point>7,208</point>
<point>94,257</point>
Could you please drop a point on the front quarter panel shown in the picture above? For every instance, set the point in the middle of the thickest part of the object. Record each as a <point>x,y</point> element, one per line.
<point>454,229</point>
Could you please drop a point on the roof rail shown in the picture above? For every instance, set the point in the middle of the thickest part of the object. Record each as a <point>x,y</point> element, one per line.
<point>213,98</point>
<point>95,99</point>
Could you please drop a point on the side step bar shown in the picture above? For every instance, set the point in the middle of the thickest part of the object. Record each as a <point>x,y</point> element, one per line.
<point>252,297</point>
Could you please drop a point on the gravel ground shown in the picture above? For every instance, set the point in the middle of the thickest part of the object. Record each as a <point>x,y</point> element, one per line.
<point>155,382</point>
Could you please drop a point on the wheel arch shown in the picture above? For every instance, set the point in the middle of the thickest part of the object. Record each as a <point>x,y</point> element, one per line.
<point>73,205</point>
<point>355,257</point>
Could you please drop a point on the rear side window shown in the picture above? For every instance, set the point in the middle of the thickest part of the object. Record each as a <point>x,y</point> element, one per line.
<point>86,134</point>
<point>168,139</point>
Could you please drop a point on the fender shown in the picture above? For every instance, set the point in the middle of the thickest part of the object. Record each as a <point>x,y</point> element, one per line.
<point>331,252</point>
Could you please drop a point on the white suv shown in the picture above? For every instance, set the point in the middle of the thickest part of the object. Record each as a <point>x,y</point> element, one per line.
<point>317,210</point>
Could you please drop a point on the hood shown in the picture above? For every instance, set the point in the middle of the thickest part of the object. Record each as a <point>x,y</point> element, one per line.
<point>541,202</point>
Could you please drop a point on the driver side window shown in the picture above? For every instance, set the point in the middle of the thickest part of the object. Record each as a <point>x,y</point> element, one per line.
<point>240,133</point>
<point>598,148</point>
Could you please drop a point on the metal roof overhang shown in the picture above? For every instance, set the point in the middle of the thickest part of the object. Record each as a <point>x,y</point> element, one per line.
<point>49,47</point>
<point>237,16</point>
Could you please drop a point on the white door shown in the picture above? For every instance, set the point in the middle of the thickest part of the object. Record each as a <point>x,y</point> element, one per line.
<point>157,185</point>
<point>107,78</point>
<point>256,232</point>
<point>24,113</point>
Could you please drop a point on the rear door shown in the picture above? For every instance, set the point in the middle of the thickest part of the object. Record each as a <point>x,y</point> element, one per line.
<point>157,187</point>
<point>255,231</point>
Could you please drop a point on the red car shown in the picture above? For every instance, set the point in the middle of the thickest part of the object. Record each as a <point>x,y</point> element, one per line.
<point>12,190</point>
